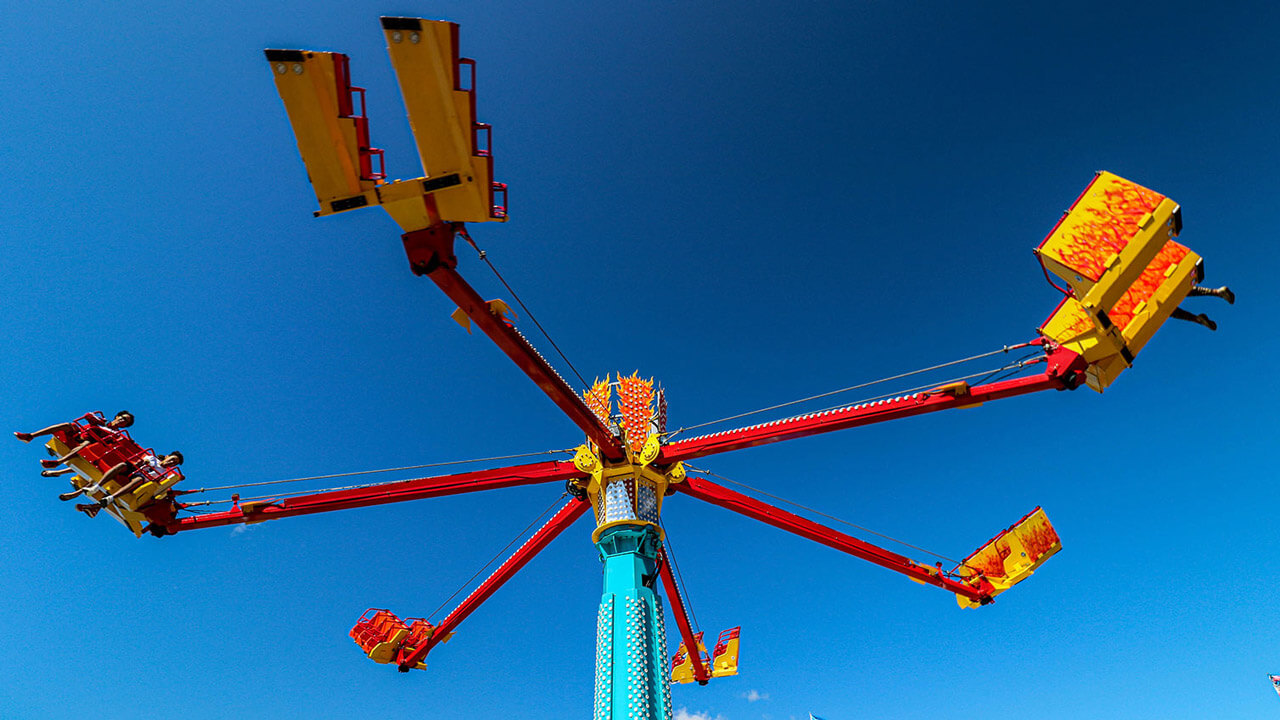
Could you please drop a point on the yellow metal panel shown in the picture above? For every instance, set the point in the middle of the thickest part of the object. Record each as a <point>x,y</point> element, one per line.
<point>409,214</point>
<point>1153,298</point>
<point>1156,229</point>
<point>440,114</point>
<point>1013,555</point>
<point>385,652</point>
<point>308,85</point>
<point>1144,307</point>
<point>726,663</point>
<point>140,495</point>
<point>595,534</point>
<point>1112,223</point>
<point>683,671</point>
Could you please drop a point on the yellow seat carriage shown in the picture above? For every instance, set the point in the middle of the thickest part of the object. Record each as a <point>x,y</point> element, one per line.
<point>723,660</point>
<point>1115,250</point>
<point>133,498</point>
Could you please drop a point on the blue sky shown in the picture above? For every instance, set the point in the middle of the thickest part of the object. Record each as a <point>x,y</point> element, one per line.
<point>753,202</point>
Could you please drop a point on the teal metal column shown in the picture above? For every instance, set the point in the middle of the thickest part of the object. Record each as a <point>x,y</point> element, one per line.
<point>631,637</point>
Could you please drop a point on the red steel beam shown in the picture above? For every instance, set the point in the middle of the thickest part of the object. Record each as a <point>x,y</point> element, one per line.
<point>253,512</point>
<point>682,618</point>
<point>1063,365</point>
<point>430,253</point>
<point>563,518</point>
<point>704,489</point>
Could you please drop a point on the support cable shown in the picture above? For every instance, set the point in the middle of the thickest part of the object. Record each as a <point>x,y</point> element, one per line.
<point>284,496</point>
<point>684,591</point>
<point>1003,350</point>
<point>296,493</point>
<point>485,257</point>
<point>982,376</point>
<point>499,554</point>
<point>1011,367</point>
<point>822,514</point>
<point>371,472</point>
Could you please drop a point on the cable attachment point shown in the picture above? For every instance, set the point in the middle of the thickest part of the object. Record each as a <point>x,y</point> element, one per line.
<point>431,248</point>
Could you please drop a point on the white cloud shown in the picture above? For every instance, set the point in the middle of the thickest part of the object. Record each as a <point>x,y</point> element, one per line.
<point>684,714</point>
<point>754,695</point>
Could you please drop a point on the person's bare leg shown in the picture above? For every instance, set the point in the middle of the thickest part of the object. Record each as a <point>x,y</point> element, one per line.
<point>108,476</point>
<point>90,510</point>
<point>57,473</point>
<point>55,462</point>
<point>27,437</point>
<point>124,490</point>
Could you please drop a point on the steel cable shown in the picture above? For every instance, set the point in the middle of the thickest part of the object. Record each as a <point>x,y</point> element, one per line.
<point>497,555</point>
<point>1005,349</point>
<point>675,567</point>
<point>485,257</point>
<point>372,472</point>
<point>825,515</point>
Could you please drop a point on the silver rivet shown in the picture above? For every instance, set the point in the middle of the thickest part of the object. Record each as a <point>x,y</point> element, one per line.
<point>413,38</point>
<point>280,68</point>
<point>396,36</point>
<point>297,68</point>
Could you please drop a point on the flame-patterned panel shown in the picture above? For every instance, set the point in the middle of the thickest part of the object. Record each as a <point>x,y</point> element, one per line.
<point>1037,536</point>
<point>1016,552</point>
<point>1157,285</point>
<point>1100,224</point>
<point>599,398</point>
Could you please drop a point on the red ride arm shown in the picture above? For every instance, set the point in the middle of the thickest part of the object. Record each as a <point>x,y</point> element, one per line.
<point>475,481</point>
<point>682,618</point>
<point>724,497</point>
<point>430,253</point>
<point>1062,368</point>
<point>563,518</point>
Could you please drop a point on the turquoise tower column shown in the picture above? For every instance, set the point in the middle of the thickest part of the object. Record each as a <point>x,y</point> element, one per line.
<point>631,637</point>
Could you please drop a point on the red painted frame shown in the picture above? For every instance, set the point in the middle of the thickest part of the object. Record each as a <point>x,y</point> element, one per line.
<point>1064,368</point>
<point>566,516</point>
<point>704,489</point>
<point>682,617</point>
<point>430,253</point>
<point>418,489</point>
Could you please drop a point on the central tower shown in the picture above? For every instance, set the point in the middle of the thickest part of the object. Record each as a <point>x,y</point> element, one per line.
<point>631,640</point>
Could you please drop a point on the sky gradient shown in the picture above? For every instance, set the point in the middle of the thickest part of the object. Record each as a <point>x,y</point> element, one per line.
<point>751,202</point>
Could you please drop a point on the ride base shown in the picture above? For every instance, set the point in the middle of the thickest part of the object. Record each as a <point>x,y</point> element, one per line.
<point>631,636</point>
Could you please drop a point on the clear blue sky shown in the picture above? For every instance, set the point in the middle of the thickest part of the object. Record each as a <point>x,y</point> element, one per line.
<point>753,202</point>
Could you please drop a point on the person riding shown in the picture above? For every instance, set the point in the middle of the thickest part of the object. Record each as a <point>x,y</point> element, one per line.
<point>122,420</point>
<point>132,469</point>
<point>1223,292</point>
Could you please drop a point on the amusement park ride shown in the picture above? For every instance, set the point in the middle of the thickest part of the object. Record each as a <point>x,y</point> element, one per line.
<point>1114,249</point>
